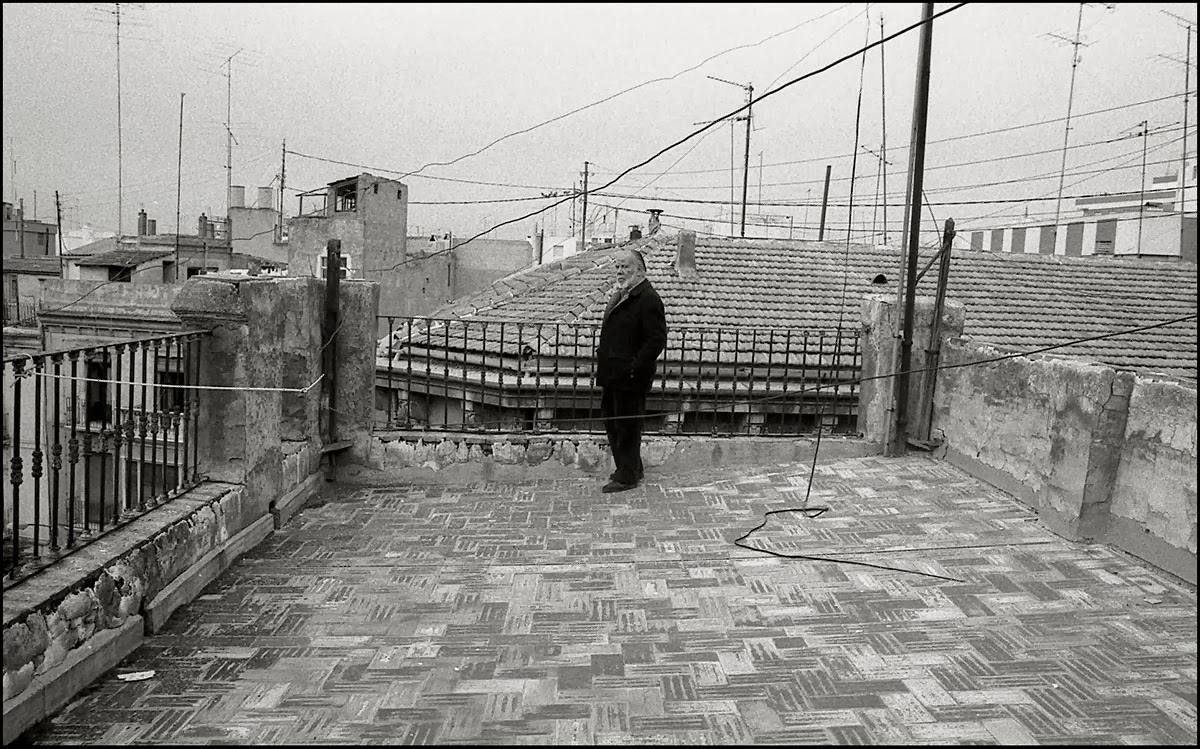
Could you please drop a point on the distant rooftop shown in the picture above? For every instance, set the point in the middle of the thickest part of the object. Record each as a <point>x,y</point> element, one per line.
<point>1016,302</point>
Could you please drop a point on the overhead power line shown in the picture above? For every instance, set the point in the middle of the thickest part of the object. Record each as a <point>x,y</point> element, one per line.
<point>694,133</point>
<point>598,102</point>
<point>964,136</point>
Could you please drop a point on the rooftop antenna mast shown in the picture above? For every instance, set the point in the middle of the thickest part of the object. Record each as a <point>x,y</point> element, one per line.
<point>749,89</point>
<point>229,133</point>
<point>1075,45</point>
<point>1189,26</point>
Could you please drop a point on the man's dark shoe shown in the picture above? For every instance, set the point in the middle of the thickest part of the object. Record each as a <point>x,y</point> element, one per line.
<point>617,486</point>
<point>613,476</point>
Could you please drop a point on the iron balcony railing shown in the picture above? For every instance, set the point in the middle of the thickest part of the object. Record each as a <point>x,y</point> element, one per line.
<point>118,424</point>
<point>505,376</point>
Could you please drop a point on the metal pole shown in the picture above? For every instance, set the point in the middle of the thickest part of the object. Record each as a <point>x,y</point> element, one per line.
<point>1181,209</point>
<point>1187,81</point>
<point>178,190</point>
<point>1062,172</point>
<point>282,194</point>
<point>120,190</point>
<point>824,203</point>
<point>883,126</point>
<point>1142,186</point>
<point>731,173</point>
<point>920,120</point>
<point>746,161</point>
<point>21,226</point>
<point>583,223</point>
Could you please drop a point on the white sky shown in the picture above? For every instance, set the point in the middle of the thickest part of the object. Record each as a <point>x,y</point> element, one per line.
<point>393,86</point>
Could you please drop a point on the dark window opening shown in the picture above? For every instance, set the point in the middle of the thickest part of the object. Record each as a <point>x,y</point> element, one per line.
<point>345,198</point>
<point>120,273</point>
<point>170,398</point>
<point>880,279</point>
<point>399,193</point>
<point>375,188</point>
<point>98,407</point>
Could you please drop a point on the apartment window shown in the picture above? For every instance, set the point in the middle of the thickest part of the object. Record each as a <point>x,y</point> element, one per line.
<point>192,271</point>
<point>345,198</point>
<point>345,266</point>
<point>170,398</point>
<point>97,406</point>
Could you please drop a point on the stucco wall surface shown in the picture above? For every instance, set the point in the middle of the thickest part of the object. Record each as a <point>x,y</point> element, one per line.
<point>1156,482</point>
<point>1030,419</point>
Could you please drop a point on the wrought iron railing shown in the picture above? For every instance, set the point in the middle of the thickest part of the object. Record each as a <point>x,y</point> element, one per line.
<point>95,436</point>
<point>493,376</point>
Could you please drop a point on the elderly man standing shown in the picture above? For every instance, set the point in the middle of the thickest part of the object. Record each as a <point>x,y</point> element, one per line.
<point>632,336</point>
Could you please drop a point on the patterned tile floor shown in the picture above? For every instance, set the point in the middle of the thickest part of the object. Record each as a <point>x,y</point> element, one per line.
<point>547,612</point>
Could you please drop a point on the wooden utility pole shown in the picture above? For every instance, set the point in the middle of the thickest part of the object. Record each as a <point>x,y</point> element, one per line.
<point>333,277</point>
<point>746,161</point>
<point>913,220</point>
<point>21,226</point>
<point>583,222</point>
<point>933,349</point>
<point>824,203</point>
<point>178,191</point>
<point>58,216</point>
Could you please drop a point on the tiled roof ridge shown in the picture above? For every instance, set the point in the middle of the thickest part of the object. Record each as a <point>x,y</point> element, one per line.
<point>539,277</point>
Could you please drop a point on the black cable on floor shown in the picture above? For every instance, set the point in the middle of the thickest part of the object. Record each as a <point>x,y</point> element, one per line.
<point>816,512</point>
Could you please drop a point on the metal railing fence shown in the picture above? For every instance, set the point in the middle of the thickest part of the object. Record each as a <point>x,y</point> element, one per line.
<point>505,376</point>
<point>95,437</point>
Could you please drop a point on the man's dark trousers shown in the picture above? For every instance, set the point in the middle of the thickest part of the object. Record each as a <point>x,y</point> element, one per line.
<point>624,434</point>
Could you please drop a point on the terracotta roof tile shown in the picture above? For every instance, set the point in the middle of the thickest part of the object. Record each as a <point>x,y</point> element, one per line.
<point>1015,302</point>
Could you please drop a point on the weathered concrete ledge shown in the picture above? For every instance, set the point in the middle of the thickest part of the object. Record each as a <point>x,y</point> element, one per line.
<point>467,457</point>
<point>71,621</point>
<point>191,581</point>
<point>49,691</point>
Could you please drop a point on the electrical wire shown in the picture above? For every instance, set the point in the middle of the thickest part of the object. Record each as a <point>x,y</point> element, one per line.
<point>694,133</point>
<point>621,93</point>
<point>959,137</point>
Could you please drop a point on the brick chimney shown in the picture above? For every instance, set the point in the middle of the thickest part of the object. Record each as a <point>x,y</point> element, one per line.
<point>141,222</point>
<point>685,255</point>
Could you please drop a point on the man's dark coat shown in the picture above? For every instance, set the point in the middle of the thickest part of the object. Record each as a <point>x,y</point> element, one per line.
<point>634,333</point>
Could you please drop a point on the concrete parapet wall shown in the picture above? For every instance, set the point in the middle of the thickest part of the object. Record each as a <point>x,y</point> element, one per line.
<point>64,607</point>
<point>457,457</point>
<point>1153,511</point>
<point>1101,455</point>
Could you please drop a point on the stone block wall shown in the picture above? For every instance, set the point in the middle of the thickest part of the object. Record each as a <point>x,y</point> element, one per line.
<point>401,456</point>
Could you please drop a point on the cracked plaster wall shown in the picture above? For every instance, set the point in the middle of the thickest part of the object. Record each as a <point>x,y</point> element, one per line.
<point>1154,499</point>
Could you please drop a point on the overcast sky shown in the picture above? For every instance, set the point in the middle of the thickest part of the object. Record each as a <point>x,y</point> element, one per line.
<point>395,86</point>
